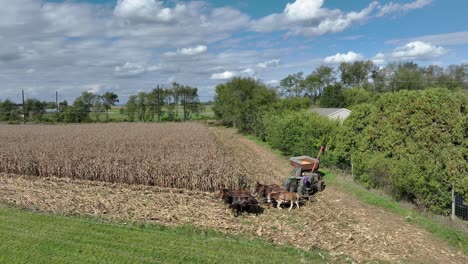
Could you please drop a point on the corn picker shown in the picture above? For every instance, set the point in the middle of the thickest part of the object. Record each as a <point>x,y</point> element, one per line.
<point>305,178</point>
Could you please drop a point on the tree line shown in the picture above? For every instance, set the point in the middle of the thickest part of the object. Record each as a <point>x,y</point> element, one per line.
<point>330,87</point>
<point>161,104</point>
<point>407,133</point>
<point>35,110</point>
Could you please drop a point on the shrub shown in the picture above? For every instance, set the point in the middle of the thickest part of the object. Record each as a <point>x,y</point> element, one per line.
<point>413,143</point>
<point>299,133</point>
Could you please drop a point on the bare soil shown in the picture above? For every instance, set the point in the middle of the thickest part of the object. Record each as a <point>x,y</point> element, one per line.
<point>336,222</point>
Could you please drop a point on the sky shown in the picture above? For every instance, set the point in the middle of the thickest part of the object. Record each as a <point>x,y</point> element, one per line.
<point>128,46</point>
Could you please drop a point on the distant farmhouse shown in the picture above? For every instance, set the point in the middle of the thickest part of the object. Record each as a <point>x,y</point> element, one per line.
<point>332,113</point>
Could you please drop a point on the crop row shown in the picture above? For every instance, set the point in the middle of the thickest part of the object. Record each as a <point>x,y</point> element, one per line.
<point>186,155</point>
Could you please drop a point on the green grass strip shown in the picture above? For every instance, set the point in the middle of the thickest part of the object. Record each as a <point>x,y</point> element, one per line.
<point>28,237</point>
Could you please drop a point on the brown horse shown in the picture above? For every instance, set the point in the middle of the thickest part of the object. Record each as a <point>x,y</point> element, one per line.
<point>266,191</point>
<point>239,200</point>
<point>286,197</point>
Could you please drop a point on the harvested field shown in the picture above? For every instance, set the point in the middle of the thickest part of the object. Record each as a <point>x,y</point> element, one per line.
<point>336,222</point>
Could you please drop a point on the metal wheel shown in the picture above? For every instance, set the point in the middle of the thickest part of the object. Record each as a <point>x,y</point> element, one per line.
<point>300,188</point>
<point>320,185</point>
<point>287,184</point>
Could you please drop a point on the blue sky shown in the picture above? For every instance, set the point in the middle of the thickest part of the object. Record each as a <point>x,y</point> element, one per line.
<point>128,46</point>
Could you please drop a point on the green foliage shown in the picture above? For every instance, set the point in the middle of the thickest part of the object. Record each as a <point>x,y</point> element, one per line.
<point>34,109</point>
<point>292,104</point>
<point>320,78</point>
<point>293,85</point>
<point>356,73</point>
<point>409,76</point>
<point>412,143</point>
<point>242,103</point>
<point>299,133</point>
<point>333,96</point>
<point>150,106</point>
<point>355,96</point>
<point>8,111</point>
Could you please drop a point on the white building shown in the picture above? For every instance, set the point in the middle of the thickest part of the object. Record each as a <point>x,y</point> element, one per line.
<point>332,113</point>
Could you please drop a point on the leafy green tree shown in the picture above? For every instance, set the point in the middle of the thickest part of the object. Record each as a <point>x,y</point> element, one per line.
<point>293,85</point>
<point>156,99</point>
<point>409,76</point>
<point>109,99</point>
<point>320,78</point>
<point>242,102</point>
<point>34,109</point>
<point>131,108</point>
<point>356,73</point>
<point>333,96</point>
<point>8,111</point>
<point>79,112</point>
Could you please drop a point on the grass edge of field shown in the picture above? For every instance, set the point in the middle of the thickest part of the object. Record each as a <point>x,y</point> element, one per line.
<point>29,218</point>
<point>446,233</point>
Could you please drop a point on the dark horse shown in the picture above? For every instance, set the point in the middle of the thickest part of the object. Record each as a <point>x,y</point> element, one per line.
<point>240,200</point>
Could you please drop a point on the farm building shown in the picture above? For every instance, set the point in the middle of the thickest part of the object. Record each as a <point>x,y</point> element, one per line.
<point>332,113</point>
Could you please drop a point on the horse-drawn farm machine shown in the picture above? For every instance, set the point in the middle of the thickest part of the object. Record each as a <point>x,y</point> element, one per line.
<point>305,178</point>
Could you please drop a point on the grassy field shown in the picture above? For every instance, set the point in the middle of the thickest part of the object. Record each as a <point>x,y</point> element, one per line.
<point>115,115</point>
<point>29,237</point>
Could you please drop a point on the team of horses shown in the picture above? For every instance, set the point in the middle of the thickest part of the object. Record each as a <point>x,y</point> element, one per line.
<point>241,200</point>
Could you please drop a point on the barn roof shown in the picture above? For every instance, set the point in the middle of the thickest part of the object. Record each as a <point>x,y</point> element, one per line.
<point>328,111</point>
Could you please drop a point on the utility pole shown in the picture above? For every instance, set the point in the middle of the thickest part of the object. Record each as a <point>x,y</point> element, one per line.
<point>56,104</point>
<point>159,101</point>
<point>24,112</point>
<point>184,101</point>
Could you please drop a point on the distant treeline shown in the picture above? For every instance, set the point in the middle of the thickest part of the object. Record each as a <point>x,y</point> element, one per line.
<point>161,104</point>
<point>407,133</point>
<point>330,87</point>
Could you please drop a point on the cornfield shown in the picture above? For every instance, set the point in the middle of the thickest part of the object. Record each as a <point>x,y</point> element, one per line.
<point>186,155</point>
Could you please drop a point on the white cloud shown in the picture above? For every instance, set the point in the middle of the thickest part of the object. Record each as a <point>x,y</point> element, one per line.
<point>268,64</point>
<point>193,50</point>
<point>397,7</point>
<point>31,71</point>
<point>344,57</point>
<point>418,50</point>
<point>272,82</point>
<point>249,72</point>
<point>454,38</point>
<point>130,69</point>
<point>309,18</point>
<point>93,88</point>
<point>378,59</point>
<point>223,75</point>
<point>190,51</point>
<point>148,11</point>
<point>304,9</point>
